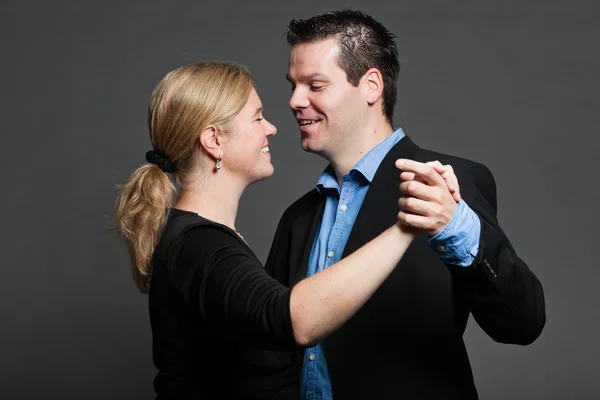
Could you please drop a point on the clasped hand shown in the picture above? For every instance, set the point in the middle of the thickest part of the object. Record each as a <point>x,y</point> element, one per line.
<point>430,195</point>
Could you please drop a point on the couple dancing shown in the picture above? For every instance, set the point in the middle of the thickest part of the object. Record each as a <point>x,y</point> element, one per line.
<point>372,275</point>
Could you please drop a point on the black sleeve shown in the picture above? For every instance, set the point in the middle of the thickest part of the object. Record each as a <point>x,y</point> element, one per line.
<point>506,298</point>
<point>234,294</point>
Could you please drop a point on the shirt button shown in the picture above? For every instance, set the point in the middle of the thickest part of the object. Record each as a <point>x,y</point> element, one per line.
<point>343,207</point>
<point>330,254</point>
<point>312,357</point>
<point>441,248</point>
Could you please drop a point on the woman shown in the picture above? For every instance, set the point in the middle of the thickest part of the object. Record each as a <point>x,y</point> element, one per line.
<point>210,299</point>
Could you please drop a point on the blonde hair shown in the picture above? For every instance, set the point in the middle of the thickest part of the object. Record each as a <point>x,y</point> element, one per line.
<point>183,104</point>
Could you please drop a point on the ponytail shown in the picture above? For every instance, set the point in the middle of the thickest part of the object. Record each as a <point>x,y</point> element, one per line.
<point>142,209</point>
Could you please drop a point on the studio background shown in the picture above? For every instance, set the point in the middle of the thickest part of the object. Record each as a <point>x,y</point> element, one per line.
<point>511,84</point>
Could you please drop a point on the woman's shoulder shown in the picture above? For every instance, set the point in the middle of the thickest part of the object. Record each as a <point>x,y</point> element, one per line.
<point>196,233</point>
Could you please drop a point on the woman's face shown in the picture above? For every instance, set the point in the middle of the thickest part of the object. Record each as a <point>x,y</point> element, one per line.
<point>246,152</point>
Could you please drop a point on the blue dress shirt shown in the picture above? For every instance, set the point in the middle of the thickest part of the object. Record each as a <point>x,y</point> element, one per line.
<point>457,243</point>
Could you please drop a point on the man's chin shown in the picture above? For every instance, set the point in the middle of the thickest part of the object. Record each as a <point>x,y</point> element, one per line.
<point>309,146</point>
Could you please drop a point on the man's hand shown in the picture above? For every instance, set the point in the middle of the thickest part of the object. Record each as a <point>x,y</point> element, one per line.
<point>432,192</point>
<point>446,171</point>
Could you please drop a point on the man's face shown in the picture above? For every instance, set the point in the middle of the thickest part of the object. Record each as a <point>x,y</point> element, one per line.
<point>329,110</point>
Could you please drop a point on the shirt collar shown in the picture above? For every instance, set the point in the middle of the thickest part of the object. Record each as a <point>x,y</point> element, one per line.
<point>365,167</point>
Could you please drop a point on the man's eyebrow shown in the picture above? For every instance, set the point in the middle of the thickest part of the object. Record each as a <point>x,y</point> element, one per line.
<point>311,77</point>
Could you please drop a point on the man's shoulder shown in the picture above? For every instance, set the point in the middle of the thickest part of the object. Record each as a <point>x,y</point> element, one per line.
<point>432,155</point>
<point>460,165</point>
<point>472,176</point>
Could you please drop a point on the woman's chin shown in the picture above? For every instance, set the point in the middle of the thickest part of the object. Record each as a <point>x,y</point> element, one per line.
<point>264,174</point>
<point>269,173</point>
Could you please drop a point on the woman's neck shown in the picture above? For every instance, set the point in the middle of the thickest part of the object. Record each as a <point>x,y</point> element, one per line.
<point>215,198</point>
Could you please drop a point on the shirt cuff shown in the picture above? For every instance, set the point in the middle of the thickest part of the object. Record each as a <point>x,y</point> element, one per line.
<point>458,242</point>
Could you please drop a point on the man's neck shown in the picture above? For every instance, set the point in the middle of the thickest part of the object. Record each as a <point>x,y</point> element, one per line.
<point>347,157</point>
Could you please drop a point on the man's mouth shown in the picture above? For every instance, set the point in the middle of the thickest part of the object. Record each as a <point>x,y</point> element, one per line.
<point>305,122</point>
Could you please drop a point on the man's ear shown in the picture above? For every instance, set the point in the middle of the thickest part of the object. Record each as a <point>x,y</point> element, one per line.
<point>373,85</point>
<point>210,142</point>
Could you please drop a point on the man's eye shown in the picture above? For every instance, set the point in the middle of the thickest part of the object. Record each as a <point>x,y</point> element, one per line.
<point>316,87</point>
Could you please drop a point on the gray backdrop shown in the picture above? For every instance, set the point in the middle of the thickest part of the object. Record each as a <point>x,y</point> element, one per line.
<point>512,84</point>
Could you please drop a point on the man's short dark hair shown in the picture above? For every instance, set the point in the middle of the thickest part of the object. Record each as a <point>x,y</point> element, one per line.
<point>364,44</point>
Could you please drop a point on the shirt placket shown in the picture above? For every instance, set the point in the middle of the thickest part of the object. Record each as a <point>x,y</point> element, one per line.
<point>347,192</point>
<point>340,219</point>
<point>310,377</point>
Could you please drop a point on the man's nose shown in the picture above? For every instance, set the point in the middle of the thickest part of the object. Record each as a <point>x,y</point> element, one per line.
<point>299,99</point>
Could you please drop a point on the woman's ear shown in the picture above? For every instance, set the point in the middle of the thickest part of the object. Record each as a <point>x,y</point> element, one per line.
<point>210,142</point>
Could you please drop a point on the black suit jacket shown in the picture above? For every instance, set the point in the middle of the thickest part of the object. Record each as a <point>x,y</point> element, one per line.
<point>406,342</point>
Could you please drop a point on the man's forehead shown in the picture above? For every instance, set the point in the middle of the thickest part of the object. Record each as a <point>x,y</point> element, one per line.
<point>316,49</point>
<point>310,61</point>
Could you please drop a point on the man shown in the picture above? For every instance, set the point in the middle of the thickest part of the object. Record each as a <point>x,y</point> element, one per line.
<point>406,342</point>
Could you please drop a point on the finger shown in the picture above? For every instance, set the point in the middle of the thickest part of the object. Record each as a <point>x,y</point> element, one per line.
<point>407,176</point>
<point>450,181</point>
<point>415,206</point>
<point>442,170</point>
<point>439,168</point>
<point>453,185</point>
<point>447,172</point>
<point>456,196</point>
<point>452,175</point>
<point>457,193</point>
<point>453,188</point>
<point>420,190</point>
<point>415,221</point>
<point>436,165</point>
<point>423,170</point>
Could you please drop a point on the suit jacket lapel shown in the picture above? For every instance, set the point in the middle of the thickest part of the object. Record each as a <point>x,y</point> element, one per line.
<point>303,230</point>
<point>380,207</point>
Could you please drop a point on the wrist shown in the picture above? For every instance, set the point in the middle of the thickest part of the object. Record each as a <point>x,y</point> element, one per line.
<point>407,230</point>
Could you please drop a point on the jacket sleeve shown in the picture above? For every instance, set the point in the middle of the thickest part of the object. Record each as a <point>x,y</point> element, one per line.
<point>279,251</point>
<point>505,297</point>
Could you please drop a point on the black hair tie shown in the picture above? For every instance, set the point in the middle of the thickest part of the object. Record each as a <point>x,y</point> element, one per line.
<point>157,158</point>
